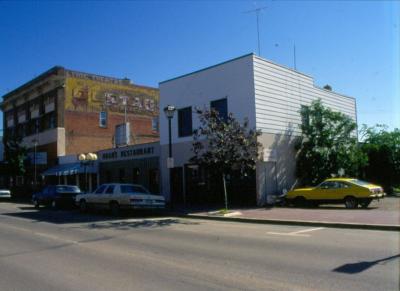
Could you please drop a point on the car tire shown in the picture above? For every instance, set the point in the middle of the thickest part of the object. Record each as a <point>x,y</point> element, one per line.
<point>365,203</point>
<point>83,207</point>
<point>114,208</point>
<point>350,202</point>
<point>300,201</point>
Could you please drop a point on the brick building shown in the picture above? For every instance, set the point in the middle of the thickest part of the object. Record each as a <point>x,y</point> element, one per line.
<point>64,112</point>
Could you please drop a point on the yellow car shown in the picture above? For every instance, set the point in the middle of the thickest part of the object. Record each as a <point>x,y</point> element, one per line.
<point>351,192</point>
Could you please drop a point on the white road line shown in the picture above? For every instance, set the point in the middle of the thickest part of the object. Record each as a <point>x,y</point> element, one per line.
<point>296,233</point>
<point>288,234</point>
<point>307,230</point>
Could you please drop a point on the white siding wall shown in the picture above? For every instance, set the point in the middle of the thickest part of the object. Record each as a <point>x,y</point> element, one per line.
<point>280,92</point>
<point>233,80</point>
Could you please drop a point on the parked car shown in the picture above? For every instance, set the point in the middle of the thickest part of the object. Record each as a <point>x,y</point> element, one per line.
<point>120,196</point>
<point>56,195</point>
<point>5,194</point>
<point>351,192</point>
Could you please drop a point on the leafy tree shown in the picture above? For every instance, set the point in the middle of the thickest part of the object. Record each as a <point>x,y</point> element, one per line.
<point>328,145</point>
<point>383,150</point>
<point>15,156</point>
<point>226,145</point>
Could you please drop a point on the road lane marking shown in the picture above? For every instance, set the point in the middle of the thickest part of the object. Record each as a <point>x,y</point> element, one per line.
<point>297,233</point>
<point>308,230</point>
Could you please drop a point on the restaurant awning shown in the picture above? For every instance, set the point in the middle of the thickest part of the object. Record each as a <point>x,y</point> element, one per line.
<point>70,169</point>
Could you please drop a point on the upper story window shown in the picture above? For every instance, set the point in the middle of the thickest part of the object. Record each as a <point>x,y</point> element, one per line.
<point>103,119</point>
<point>154,124</point>
<point>185,122</point>
<point>221,106</point>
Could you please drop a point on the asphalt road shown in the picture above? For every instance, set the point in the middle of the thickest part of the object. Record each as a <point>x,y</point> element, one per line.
<point>65,250</point>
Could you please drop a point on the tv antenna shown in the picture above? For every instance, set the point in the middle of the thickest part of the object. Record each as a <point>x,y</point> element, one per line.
<point>257,12</point>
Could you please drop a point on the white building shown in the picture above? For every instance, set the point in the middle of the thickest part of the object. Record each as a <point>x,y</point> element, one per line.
<point>268,94</point>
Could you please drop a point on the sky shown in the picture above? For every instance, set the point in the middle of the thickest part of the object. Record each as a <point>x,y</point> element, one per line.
<point>351,45</point>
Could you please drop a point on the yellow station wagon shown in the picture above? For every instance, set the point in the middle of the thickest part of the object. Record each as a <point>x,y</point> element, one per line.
<point>351,192</point>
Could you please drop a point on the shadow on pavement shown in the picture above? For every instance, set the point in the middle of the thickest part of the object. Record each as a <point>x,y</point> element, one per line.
<point>74,216</point>
<point>146,223</point>
<point>362,266</point>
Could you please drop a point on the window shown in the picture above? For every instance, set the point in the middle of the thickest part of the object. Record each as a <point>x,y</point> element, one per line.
<point>103,119</point>
<point>155,124</point>
<point>185,121</point>
<point>221,106</point>
<point>100,189</point>
<point>136,174</point>
<point>133,189</point>
<point>110,189</point>
<point>121,175</point>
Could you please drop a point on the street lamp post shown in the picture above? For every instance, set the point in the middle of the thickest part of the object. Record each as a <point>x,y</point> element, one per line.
<point>35,142</point>
<point>169,111</point>
<point>87,159</point>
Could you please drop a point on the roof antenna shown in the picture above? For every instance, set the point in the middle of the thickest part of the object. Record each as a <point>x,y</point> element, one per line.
<point>294,56</point>
<point>257,12</point>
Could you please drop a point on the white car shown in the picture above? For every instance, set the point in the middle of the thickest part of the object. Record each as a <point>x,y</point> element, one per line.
<point>4,193</point>
<point>117,196</point>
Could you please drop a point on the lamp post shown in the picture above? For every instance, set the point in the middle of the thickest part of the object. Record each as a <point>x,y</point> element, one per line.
<point>87,159</point>
<point>35,143</point>
<point>169,111</point>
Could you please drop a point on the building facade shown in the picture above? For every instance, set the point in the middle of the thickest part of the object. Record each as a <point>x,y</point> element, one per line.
<point>64,112</point>
<point>268,94</point>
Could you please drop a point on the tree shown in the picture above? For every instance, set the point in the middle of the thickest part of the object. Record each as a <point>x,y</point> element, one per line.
<point>15,156</point>
<point>225,145</point>
<point>383,150</point>
<point>328,145</point>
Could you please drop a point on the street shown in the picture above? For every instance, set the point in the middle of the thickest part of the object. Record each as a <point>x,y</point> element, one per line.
<point>64,250</point>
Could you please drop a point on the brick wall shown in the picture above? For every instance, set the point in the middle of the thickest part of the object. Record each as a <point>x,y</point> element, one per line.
<point>83,133</point>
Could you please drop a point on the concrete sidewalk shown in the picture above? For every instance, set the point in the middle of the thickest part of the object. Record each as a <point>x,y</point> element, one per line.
<point>381,215</point>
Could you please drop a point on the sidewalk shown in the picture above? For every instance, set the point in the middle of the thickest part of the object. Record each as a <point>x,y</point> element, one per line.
<point>382,215</point>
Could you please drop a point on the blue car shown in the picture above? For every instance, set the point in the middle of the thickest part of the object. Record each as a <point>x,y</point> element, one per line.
<point>56,196</point>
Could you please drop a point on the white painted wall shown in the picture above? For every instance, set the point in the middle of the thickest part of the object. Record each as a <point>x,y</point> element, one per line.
<point>280,92</point>
<point>233,80</point>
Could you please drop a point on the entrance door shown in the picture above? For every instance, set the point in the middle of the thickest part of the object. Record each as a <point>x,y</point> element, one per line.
<point>176,188</point>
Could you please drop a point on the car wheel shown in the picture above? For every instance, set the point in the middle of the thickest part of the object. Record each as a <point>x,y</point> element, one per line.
<point>83,206</point>
<point>114,208</point>
<point>36,203</point>
<point>365,203</point>
<point>300,201</point>
<point>350,202</point>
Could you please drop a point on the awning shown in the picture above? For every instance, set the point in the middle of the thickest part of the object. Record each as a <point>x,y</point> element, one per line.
<point>70,169</point>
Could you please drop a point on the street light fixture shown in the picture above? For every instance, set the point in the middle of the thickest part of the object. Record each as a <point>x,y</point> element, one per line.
<point>87,159</point>
<point>169,111</point>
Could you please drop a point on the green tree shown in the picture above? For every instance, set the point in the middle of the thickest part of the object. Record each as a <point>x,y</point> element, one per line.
<point>15,156</point>
<point>328,145</point>
<point>383,150</point>
<point>226,145</point>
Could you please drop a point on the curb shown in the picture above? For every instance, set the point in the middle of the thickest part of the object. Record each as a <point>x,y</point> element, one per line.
<point>384,227</point>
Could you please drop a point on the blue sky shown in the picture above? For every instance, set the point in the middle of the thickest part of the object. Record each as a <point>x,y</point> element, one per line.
<point>353,46</point>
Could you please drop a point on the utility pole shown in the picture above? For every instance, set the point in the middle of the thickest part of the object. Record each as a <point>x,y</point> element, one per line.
<point>257,12</point>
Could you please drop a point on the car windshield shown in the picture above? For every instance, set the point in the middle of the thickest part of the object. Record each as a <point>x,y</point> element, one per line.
<point>360,182</point>
<point>64,188</point>
<point>132,189</point>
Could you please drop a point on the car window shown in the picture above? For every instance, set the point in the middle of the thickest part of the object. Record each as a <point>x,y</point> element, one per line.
<point>110,189</point>
<point>65,188</point>
<point>133,189</point>
<point>100,189</point>
<point>45,190</point>
<point>359,182</point>
<point>341,185</point>
<point>327,185</point>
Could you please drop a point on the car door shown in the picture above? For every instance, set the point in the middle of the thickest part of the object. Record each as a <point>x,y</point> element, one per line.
<point>96,197</point>
<point>325,191</point>
<point>108,194</point>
